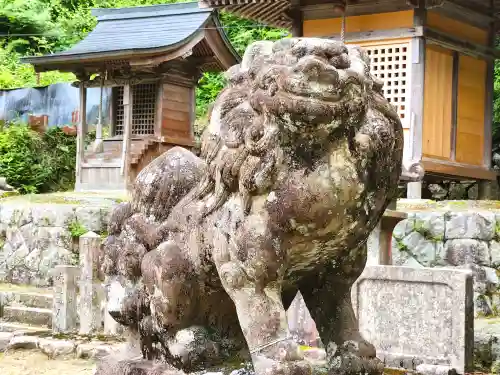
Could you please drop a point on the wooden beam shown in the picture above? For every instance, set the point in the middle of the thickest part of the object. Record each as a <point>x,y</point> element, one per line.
<point>218,47</point>
<point>454,105</point>
<point>324,11</point>
<point>159,109</point>
<point>457,171</point>
<point>465,14</point>
<point>452,42</point>
<point>80,133</point>
<point>416,99</point>
<point>127,132</point>
<point>171,55</point>
<point>116,82</point>
<point>405,32</point>
<point>192,120</point>
<point>488,105</point>
<point>297,18</point>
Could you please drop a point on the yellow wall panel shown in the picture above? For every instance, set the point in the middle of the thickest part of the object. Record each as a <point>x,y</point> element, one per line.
<point>382,21</point>
<point>438,91</point>
<point>470,110</point>
<point>457,28</point>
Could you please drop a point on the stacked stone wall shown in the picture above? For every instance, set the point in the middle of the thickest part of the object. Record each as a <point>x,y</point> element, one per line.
<point>457,239</point>
<point>34,238</point>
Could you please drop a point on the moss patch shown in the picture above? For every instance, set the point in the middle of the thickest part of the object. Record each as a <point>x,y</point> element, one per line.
<point>77,229</point>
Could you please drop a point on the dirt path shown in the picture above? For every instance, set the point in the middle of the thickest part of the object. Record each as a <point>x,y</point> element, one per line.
<point>36,363</point>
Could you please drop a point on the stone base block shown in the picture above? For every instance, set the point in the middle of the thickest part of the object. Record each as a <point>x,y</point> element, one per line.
<point>28,315</point>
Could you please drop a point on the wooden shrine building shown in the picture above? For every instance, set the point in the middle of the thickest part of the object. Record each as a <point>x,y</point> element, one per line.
<point>152,57</point>
<point>435,58</point>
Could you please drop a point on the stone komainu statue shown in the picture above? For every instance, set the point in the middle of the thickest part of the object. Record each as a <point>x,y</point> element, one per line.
<point>300,159</point>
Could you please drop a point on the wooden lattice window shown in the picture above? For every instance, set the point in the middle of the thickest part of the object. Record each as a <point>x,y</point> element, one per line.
<point>143,109</point>
<point>391,63</point>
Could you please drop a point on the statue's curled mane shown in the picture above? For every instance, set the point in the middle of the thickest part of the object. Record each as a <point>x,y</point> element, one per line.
<point>325,85</point>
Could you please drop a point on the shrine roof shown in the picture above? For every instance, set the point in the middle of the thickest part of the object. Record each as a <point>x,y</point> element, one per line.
<point>138,31</point>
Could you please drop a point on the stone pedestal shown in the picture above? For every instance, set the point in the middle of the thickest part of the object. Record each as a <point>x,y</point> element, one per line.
<point>417,317</point>
<point>65,313</point>
<point>91,291</point>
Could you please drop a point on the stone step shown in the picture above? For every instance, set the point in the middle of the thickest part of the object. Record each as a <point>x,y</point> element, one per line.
<point>28,315</point>
<point>27,299</point>
<point>19,328</point>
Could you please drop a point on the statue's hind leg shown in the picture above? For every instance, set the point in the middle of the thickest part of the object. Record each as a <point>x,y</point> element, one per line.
<point>328,298</point>
<point>250,270</point>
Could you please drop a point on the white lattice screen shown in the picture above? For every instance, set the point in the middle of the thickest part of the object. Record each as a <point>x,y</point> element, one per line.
<point>391,64</point>
<point>143,109</point>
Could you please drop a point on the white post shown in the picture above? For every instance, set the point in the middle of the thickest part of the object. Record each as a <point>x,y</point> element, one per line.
<point>65,313</point>
<point>127,130</point>
<point>81,130</point>
<point>98,145</point>
<point>90,289</point>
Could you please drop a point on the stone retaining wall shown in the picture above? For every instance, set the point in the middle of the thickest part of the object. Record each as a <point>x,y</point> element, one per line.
<point>452,236</point>
<point>35,237</point>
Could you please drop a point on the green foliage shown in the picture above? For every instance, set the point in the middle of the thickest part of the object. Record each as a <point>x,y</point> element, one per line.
<point>60,156</point>
<point>241,33</point>
<point>34,163</point>
<point>45,26</point>
<point>21,158</point>
<point>77,229</point>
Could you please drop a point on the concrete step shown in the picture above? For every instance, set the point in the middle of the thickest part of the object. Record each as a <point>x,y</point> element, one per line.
<point>28,315</point>
<point>20,329</point>
<point>27,299</point>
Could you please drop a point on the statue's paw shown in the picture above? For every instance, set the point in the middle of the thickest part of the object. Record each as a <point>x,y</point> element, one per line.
<point>353,359</point>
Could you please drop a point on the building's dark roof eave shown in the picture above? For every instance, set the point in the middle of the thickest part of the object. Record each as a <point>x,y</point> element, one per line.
<point>151,30</point>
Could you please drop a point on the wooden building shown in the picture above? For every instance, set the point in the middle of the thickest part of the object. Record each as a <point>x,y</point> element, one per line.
<point>152,57</point>
<point>435,57</point>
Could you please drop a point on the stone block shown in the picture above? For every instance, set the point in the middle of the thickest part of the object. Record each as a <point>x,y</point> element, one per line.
<point>411,262</point>
<point>422,249</point>
<point>91,218</point>
<point>56,348</point>
<point>403,228</point>
<point>28,315</point>
<point>495,254</point>
<point>65,310</point>
<point>5,338</point>
<point>93,350</point>
<point>23,342</point>
<point>91,291</point>
<point>52,215</point>
<point>473,225</point>
<point>467,251</point>
<point>440,255</point>
<point>431,225</point>
<point>417,316</point>
<point>15,214</point>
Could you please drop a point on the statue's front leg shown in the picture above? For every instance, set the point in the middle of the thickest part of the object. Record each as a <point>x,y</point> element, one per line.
<point>251,275</point>
<point>328,298</point>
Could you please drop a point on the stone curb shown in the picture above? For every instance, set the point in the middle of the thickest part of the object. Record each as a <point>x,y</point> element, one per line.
<point>58,348</point>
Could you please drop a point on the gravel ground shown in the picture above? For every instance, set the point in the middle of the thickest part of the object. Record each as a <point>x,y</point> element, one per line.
<point>36,363</point>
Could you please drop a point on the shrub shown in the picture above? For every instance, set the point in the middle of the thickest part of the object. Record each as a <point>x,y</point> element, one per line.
<point>60,155</point>
<point>34,163</point>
